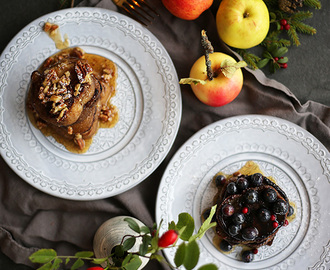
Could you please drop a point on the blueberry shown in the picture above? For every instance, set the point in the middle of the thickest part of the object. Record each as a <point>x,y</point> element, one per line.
<point>242,183</point>
<point>234,230</point>
<point>264,215</point>
<point>251,196</point>
<point>231,188</point>
<point>247,256</point>
<point>220,180</point>
<point>250,233</point>
<point>225,246</point>
<point>280,207</point>
<point>228,210</point>
<point>269,195</point>
<point>238,218</point>
<point>256,179</point>
<point>291,211</point>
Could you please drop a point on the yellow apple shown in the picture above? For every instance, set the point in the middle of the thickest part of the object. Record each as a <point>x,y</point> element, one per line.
<point>221,90</point>
<point>187,9</point>
<point>242,23</point>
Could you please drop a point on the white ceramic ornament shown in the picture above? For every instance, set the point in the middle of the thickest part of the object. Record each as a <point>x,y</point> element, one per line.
<point>111,233</point>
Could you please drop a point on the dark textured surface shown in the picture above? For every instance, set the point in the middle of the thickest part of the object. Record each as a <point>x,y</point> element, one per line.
<point>307,75</point>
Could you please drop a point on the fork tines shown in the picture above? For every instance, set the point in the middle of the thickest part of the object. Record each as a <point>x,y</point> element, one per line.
<point>139,10</point>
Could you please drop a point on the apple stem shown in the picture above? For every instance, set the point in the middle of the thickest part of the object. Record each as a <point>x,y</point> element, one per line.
<point>208,48</point>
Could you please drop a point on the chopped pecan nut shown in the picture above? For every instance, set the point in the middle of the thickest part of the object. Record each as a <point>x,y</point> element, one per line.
<point>77,89</point>
<point>83,71</point>
<point>55,98</point>
<point>106,114</point>
<point>70,130</point>
<point>78,140</point>
<point>78,52</point>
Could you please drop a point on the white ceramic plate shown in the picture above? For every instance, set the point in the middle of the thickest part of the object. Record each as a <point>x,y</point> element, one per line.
<point>148,98</point>
<point>297,160</point>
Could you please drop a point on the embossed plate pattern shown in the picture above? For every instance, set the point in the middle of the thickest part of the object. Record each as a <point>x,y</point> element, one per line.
<point>148,98</point>
<point>295,158</point>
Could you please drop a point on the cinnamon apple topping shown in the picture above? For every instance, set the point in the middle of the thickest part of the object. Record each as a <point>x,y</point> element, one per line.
<point>70,94</point>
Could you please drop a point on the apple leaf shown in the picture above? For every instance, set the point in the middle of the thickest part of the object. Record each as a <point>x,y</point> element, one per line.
<point>229,67</point>
<point>192,81</point>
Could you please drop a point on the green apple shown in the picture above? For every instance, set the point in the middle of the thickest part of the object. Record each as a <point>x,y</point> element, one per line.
<point>242,23</point>
<point>187,9</point>
<point>223,88</point>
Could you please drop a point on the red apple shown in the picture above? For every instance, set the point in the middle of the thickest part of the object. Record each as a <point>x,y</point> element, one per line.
<point>187,9</point>
<point>222,89</point>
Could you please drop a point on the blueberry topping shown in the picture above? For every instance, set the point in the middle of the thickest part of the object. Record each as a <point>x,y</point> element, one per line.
<point>234,230</point>
<point>291,211</point>
<point>231,188</point>
<point>264,215</point>
<point>250,233</point>
<point>256,179</point>
<point>220,180</point>
<point>228,210</point>
<point>242,183</point>
<point>269,195</point>
<point>280,207</point>
<point>225,246</point>
<point>247,256</point>
<point>251,196</point>
<point>238,218</point>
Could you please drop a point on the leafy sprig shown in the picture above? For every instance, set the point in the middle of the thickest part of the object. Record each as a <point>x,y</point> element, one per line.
<point>186,255</point>
<point>278,38</point>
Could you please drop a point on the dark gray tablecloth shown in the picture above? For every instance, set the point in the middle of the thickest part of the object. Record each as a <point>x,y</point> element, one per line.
<point>30,219</point>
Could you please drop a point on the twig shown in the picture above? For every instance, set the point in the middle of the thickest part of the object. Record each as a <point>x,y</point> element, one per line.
<point>208,48</point>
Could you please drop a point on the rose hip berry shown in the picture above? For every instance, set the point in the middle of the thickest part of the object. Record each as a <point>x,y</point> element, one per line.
<point>283,22</point>
<point>245,210</point>
<point>168,238</point>
<point>275,224</point>
<point>287,26</point>
<point>95,268</point>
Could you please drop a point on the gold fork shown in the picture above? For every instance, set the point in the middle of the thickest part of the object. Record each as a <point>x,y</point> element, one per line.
<point>138,10</point>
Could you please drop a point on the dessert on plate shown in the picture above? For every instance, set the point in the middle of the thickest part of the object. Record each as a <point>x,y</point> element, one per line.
<point>251,209</point>
<point>70,96</point>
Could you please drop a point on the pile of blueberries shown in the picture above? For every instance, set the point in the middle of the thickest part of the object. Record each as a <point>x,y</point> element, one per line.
<point>267,197</point>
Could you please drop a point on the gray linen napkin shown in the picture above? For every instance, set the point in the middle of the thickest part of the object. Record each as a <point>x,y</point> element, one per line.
<point>31,219</point>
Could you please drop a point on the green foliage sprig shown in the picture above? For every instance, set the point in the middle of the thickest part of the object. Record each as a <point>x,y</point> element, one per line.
<point>277,39</point>
<point>121,258</point>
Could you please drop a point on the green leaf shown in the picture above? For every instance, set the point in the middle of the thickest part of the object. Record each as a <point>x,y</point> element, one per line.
<point>133,225</point>
<point>207,224</point>
<point>77,264</point>
<point>229,67</point>
<point>283,60</point>
<point>43,256</point>
<point>185,220</point>
<point>145,229</point>
<point>191,255</point>
<point>67,260</point>
<point>208,267</point>
<point>272,16</point>
<point>146,240</point>
<point>129,243</point>
<point>157,257</point>
<point>99,261</point>
<point>280,52</point>
<point>47,266</point>
<point>192,81</point>
<point>267,55</point>
<point>180,254</point>
<point>119,251</point>
<point>127,258</point>
<point>56,264</point>
<point>262,63</point>
<point>133,264</point>
<point>84,254</point>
